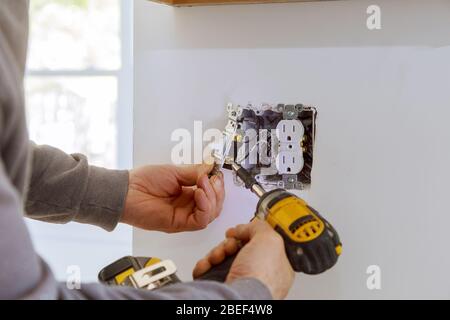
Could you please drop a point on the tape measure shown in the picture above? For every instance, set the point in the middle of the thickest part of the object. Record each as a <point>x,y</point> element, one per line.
<point>139,272</point>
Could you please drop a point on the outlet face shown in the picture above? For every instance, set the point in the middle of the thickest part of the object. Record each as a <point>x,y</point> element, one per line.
<point>290,156</point>
<point>290,131</point>
<point>289,162</point>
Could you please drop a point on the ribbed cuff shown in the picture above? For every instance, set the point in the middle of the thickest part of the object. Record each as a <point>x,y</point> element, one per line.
<point>104,200</point>
<point>251,289</point>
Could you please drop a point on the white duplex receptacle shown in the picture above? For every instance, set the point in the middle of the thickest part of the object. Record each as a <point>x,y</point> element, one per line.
<point>290,156</point>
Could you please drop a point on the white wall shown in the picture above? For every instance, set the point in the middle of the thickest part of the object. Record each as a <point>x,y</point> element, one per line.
<point>381,168</point>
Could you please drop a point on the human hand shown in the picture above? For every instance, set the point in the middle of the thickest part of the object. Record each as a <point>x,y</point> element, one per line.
<point>262,256</point>
<point>173,198</point>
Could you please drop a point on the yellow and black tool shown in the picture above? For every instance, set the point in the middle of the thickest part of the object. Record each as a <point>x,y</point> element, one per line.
<point>312,244</point>
<point>139,272</point>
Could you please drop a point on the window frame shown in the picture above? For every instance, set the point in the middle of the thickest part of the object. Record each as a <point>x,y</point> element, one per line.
<point>120,243</point>
<point>124,76</point>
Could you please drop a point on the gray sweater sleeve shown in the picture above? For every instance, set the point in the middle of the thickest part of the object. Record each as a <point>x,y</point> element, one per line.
<point>65,188</point>
<point>248,289</point>
<point>27,276</point>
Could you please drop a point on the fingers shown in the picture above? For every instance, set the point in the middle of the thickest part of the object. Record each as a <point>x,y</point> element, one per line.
<point>217,255</point>
<point>210,199</point>
<point>205,184</point>
<point>226,248</point>
<point>201,216</point>
<point>188,175</point>
<point>245,232</point>
<point>201,268</point>
<point>231,246</point>
<point>219,190</point>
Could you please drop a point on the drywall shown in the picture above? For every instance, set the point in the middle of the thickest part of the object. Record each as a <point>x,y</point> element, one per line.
<point>381,168</point>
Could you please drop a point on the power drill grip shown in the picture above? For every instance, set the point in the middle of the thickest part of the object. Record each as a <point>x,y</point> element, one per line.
<point>220,272</point>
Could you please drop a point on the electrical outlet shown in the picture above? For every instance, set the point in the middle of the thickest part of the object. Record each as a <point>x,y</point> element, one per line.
<point>290,156</point>
<point>290,131</point>
<point>289,162</point>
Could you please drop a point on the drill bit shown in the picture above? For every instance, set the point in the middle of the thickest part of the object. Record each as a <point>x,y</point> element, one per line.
<point>249,181</point>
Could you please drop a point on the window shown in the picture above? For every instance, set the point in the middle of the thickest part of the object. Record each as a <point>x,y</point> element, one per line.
<point>79,99</point>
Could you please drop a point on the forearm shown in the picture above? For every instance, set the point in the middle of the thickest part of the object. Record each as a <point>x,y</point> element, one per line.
<point>246,289</point>
<point>65,188</point>
<point>47,288</point>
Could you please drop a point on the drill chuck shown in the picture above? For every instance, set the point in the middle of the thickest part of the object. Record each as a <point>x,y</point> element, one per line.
<point>248,180</point>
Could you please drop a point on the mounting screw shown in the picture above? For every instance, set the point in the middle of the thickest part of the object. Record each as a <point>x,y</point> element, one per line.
<point>291,113</point>
<point>291,180</point>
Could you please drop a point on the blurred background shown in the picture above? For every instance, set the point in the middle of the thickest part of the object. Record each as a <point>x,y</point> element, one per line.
<point>79,99</point>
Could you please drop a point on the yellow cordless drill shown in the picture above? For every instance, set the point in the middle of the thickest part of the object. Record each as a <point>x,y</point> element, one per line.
<point>312,244</point>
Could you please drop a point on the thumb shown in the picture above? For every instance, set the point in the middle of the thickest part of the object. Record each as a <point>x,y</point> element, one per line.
<point>187,175</point>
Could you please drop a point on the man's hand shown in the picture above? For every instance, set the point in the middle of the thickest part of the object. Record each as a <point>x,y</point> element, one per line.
<point>262,257</point>
<point>173,198</point>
